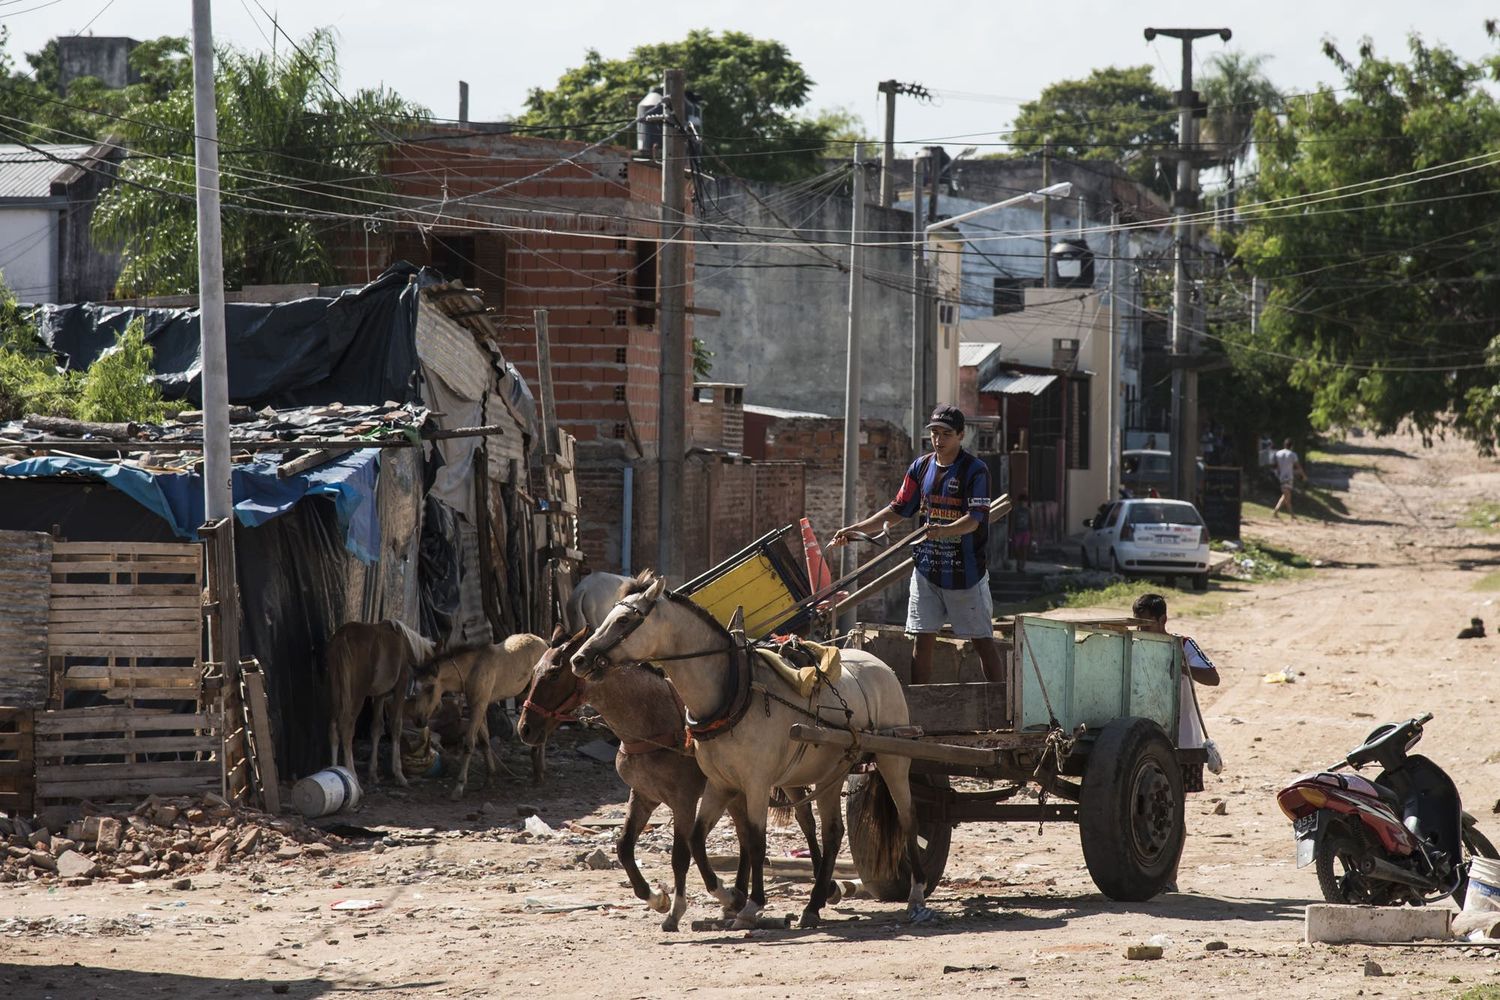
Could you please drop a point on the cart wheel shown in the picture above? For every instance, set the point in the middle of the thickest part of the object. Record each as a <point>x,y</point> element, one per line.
<point>1130,814</point>
<point>932,837</point>
<point>1200,581</point>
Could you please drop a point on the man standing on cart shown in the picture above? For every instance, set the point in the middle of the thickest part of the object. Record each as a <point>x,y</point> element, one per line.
<point>948,489</point>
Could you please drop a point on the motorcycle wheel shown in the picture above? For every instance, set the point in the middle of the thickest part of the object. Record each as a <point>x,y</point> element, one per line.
<point>1339,859</point>
<point>1476,845</point>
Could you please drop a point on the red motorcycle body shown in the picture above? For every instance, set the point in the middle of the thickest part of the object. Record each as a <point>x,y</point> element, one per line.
<point>1307,800</point>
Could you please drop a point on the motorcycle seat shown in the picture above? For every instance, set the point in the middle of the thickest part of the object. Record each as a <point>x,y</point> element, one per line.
<point>1387,796</point>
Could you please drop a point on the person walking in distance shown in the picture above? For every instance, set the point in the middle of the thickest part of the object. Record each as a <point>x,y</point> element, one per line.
<point>1020,532</point>
<point>949,491</point>
<point>1288,465</point>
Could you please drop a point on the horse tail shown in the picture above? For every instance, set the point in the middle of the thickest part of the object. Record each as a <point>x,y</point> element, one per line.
<point>876,816</point>
<point>781,807</point>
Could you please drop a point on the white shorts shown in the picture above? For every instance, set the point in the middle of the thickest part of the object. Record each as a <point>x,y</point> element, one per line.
<point>970,611</point>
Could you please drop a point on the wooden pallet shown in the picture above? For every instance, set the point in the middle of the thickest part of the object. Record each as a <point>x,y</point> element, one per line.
<point>134,605</point>
<point>112,752</point>
<point>17,762</point>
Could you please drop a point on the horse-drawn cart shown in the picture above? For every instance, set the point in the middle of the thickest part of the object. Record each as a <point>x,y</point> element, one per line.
<point>1087,712</point>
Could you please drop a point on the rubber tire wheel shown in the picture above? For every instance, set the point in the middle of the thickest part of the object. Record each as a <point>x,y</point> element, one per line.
<point>938,836</point>
<point>1130,811</point>
<point>1330,881</point>
<point>1200,582</point>
<point>1478,846</point>
<point>1114,565</point>
<point>1083,557</point>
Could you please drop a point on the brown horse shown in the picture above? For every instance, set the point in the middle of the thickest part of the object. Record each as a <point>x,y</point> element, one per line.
<point>742,714</point>
<point>643,710</point>
<point>485,674</point>
<point>371,660</point>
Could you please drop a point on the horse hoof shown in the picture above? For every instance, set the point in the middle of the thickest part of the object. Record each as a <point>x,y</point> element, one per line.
<point>670,923</point>
<point>809,920</point>
<point>660,902</point>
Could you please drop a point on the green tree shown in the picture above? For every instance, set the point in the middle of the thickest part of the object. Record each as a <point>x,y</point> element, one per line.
<point>752,93</point>
<point>1375,228</point>
<point>1106,116</point>
<point>294,154</point>
<point>1235,90</point>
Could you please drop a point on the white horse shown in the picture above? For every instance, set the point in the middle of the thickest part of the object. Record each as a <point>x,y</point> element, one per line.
<point>742,723</point>
<point>593,598</point>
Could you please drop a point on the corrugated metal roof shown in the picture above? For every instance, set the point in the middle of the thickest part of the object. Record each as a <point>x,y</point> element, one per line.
<point>972,354</point>
<point>26,173</point>
<point>1017,384</point>
<point>778,413</point>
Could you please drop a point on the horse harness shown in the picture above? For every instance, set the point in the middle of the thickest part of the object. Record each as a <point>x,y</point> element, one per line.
<point>677,740</point>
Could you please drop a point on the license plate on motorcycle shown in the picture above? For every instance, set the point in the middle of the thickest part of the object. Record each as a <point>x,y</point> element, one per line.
<point>1305,829</point>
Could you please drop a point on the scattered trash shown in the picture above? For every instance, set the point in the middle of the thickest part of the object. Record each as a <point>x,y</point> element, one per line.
<point>1158,940</point>
<point>1143,952</point>
<point>537,827</point>
<point>536,904</point>
<point>950,969</point>
<point>356,904</point>
<point>1286,675</point>
<point>330,790</point>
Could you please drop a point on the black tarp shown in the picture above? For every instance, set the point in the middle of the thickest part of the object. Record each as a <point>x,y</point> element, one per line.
<point>358,347</point>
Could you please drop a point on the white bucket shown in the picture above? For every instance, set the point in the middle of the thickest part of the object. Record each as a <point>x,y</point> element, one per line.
<point>1484,886</point>
<point>327,791</point>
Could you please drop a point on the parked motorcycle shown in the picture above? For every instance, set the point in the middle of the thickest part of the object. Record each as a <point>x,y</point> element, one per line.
<point>1401,838</point>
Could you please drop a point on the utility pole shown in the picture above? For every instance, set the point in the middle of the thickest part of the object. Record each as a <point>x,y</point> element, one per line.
<point>1112,377</point>
<point>931,274</point>
<point>918,300</point>
<point>1184,202</point>
<point>463,102</point>
<point>218,497</point>
<point>671,303</point>
<point>888,154</point>
<point>1047,214</point>
<point>892,88</point>
<point>852,373</point>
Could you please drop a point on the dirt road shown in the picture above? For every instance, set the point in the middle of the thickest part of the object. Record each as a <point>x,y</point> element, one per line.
<point>1370,634</point>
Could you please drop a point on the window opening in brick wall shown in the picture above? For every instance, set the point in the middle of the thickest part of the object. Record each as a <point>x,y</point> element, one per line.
<point>645,282</point>
<point>947,313</point>
<point>619,355</point>
<point>619,394</point>
<point>1010,294</point>
<point>454,257</point>
<point>620,431</point>
<point>621,319</point>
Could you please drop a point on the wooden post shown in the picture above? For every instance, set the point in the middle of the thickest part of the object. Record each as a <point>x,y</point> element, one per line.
<point>260,731</point>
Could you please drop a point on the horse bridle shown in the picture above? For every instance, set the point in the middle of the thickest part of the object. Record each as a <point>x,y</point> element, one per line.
<point>564,711</point>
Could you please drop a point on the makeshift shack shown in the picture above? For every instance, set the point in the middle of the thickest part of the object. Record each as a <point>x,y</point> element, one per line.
<point>381,447</point>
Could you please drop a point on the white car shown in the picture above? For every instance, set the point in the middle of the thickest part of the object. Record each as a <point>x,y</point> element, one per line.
<point>1148,538</point>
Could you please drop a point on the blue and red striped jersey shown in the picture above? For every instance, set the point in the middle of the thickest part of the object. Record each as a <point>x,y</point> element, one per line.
<point>941,494</point>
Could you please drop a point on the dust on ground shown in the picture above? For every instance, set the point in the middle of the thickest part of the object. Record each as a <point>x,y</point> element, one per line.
<point>458,900</point>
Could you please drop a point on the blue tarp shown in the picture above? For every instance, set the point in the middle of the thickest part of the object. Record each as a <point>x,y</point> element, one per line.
<point>259,494</point>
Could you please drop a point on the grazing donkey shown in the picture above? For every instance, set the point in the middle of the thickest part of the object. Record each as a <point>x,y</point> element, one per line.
<point>485,674</point>
<point>371,660</point>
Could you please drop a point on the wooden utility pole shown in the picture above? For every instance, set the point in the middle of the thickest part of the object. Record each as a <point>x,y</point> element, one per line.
<point>851,512</point>
<point>1184,202</point>
<point>672,297</point>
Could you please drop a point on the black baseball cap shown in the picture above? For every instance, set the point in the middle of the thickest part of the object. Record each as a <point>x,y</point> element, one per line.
<point>949,416</point>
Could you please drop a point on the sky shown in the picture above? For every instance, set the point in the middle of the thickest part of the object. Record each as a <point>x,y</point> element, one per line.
<point>982,57</point>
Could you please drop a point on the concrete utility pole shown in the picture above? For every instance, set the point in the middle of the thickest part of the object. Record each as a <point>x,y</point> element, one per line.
<point>672,324</point>
<point>1112,377</point>
<point>463,102</point>
<point>1047,214</point>
<point>852,388</point>
<point>1184,202</point>
<point>918,300</point>
<point>218,497</point>
<point>891,88</point>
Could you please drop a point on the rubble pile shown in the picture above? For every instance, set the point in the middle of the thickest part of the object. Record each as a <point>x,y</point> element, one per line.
<point>162,837</point>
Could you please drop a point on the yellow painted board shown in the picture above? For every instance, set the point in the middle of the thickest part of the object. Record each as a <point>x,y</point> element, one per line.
<point>753,584</point>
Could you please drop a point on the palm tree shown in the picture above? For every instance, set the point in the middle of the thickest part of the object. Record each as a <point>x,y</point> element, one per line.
<point>1236,90</point>
<point>300,162</point>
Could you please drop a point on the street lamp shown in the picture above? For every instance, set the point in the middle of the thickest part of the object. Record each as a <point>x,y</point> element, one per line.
<point>920,355</point>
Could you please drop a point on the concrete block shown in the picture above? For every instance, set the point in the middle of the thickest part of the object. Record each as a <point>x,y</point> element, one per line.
<point>1330,923</point>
